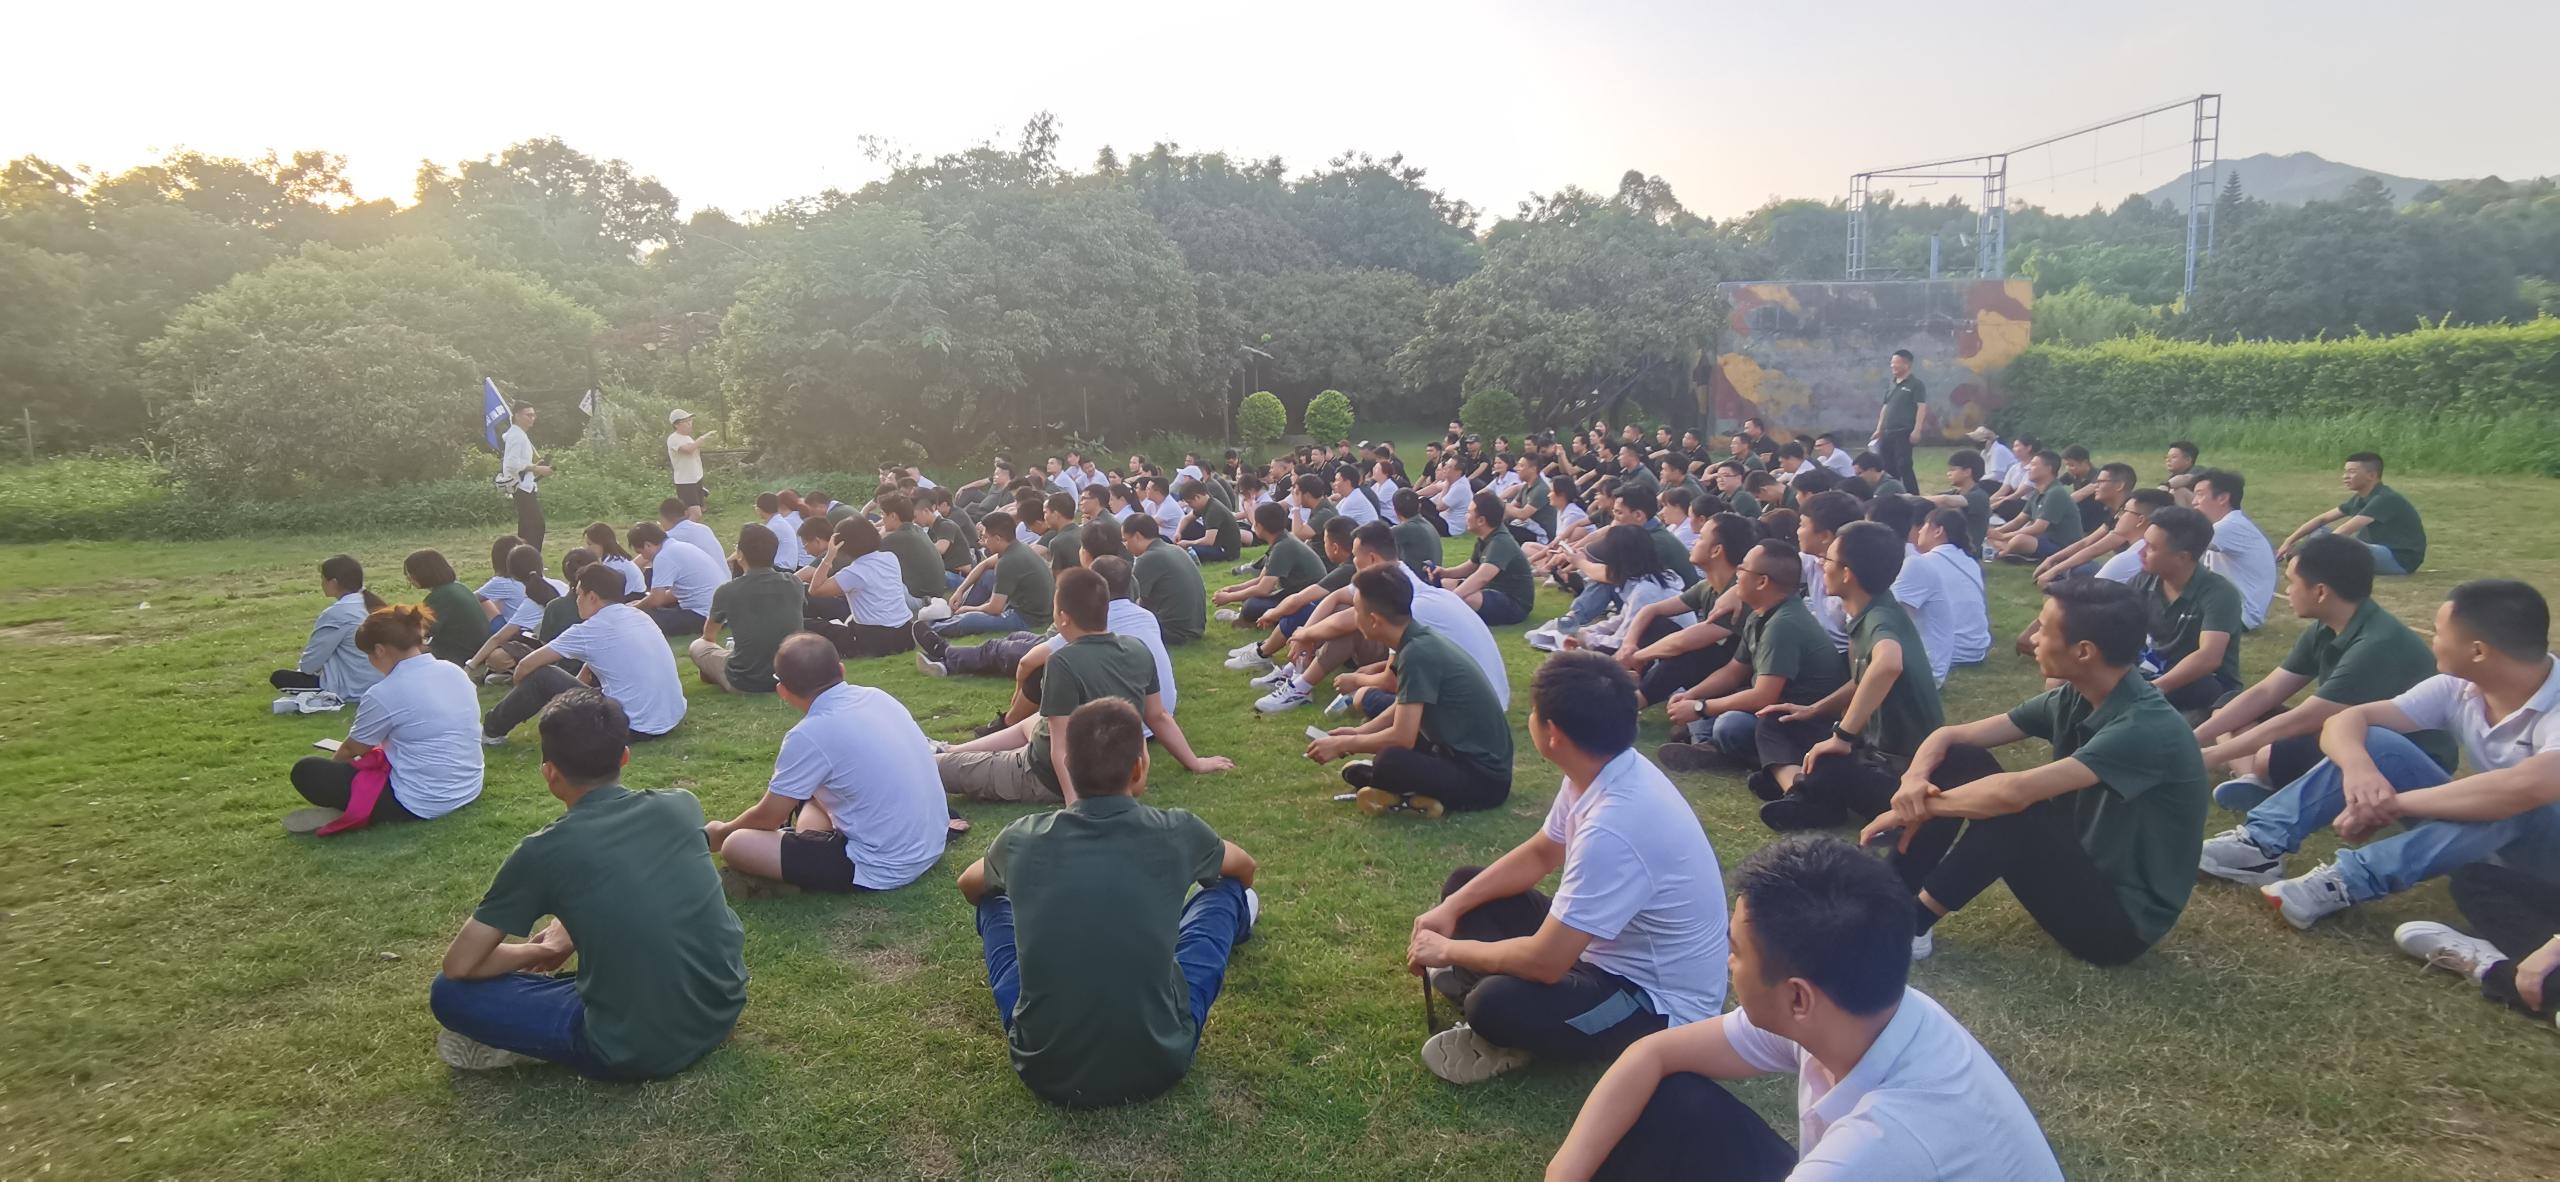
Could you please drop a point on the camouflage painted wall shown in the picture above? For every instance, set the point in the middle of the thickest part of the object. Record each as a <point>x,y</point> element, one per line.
<point>1811,357</point>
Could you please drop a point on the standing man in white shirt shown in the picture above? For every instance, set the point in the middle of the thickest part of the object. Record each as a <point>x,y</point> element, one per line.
<point>2240,550</point>
<point>1888,1084</point>
<point>684,457</point>
<point>522,477</point>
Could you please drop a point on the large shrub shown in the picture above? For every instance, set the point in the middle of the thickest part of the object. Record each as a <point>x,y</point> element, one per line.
<point>1261,420</point>
<point>1493,412</point>
<point>1329,416</point>
<point>364,406</point>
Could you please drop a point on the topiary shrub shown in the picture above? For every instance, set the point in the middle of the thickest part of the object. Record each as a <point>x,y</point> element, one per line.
<point>1493,412</point>
<point>1262,420</point>
<point>1329,417</point>
<point>369,405</point>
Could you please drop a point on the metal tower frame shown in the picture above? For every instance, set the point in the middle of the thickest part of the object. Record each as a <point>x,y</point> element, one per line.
<point>1991,169</point>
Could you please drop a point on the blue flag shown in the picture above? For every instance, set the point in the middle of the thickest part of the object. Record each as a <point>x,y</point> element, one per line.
<point>493,412</point>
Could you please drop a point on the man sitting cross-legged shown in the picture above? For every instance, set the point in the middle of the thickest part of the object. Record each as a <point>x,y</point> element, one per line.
<point>1634,939</point>
<point>1495,580</point>
<point>1331,639</point>
<point>855,802</point>
<point>1869,726</point>
<point>625,655</point>
<point>2354,652</point>
<point>632,894</point>
<point>2191,616</point>
<point>1445,744</point>
<point>1103,974</point>
<point>2095,845</point>
<point>1667,658</point>
<point>1025,657</point>
<point>1008,591</point>
<point>1026,763</point>
<point>1285,617</point>
<point>2497,690</point>
<point>1783,657</point>
<point>1167,581</point>
<point>760,608</point>
<point>1889,1084</point>
<point>2051,524</point>
<point>1287,568</point>
<point>2375,515</point>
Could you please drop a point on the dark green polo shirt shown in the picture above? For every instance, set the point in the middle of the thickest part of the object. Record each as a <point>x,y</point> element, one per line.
<point>1066,548</point>
<point>1786,641</point>
<point>1418,544</point>
<point>1511,576</point>
<point>1885,486</point>
<point>1337,578</point>
<point>963,553</point>
<point>2375,659</point>
<point>1168,583</point>
<point>1218,523</point>
<point>1459,710</point>
<point>2142,823</point>
<point>1088,669</point>
<point>460,626</point>
<point>1977,513</point>
<point>919,564</point>
<point>1902,405</point>
<point>1294,564</point>
<point>2059,513</point>
<point>2211,604</point>
<point>2395,525</point>
<point>760,608</point>
<point>1026,584</point>
<point>1097,890</point>
<point>1747,505</point>
<point>1911,709</point>
<point>661,970</point>
<point>1316,517</point>
<point>1537,493</point>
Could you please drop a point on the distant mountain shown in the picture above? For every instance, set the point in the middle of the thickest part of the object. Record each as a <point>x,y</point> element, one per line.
<point>2293,179</point>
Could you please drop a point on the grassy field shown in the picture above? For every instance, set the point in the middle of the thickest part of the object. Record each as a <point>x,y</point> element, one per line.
<point>190,992</point>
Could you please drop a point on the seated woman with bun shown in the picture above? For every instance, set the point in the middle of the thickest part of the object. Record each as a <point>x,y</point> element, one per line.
<point>419,727</point>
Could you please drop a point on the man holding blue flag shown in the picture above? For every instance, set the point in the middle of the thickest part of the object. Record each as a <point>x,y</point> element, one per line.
<point>521,476</point>
<point>493,413</point>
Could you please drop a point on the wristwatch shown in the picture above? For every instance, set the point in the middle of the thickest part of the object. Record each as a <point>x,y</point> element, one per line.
<point>1844,736</point>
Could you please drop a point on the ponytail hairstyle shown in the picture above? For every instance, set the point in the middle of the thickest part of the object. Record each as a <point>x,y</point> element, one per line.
<point>525,566</point>
<point>348,574</point>
<point>501,550</point>
<point>601,539</point>
<point>577,560</point>
<point>401,627</point>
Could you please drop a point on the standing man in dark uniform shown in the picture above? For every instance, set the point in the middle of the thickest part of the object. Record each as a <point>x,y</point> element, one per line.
<point>1900,421</point>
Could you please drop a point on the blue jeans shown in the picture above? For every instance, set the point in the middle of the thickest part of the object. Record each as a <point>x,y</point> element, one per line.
<point>2423,849</point>
<point>979,592</point>
<point>1498,610</point>
<point>537,1014</point>
<point>1374,702</point>
<point>981,623</point>
<point>2384,562</point>
<point>1734,732</point>
<point>1213,923</point>
<point>951,582</point>
<point>1594,602</point>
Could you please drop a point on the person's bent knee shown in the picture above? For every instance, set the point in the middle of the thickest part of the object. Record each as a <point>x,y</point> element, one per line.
<point>1458,879</point>
<point>444,999</point>
<point>1505,1010</point>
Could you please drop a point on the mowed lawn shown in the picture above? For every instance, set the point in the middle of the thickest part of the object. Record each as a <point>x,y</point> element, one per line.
<point>191,992</point>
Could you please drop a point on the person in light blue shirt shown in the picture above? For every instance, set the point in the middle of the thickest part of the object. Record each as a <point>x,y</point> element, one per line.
<point>331,662</point>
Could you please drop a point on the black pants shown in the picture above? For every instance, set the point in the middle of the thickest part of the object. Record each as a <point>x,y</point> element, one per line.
<point>1895,450</point>
<point>2036,851</point>
<point>1693,1128</point>
<point>291,680</point>
<point>997,657</point>
<point>1857,787</point>
<point>529,697</point>
<point>1670,675</point>
<point>529,518</point>
<point>865,640</point>
<point>1571,1019</point>
<point>329,783</point>
<point>1783,743</point>
<point>1430,512</point>
<point>2517,912</point>
<point>690,494</point>
<point>1427,769</point>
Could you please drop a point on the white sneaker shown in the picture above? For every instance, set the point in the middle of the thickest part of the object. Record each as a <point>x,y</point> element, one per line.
<point>1287,697</point>
<point>934,611</point>
<point>493,677</point>
<point>2231,855</point>
<point>320,702</point>
<point>1250,662</point>
<point>2446,948</point>
<point>1923,945</point>
<point>1252,910</point>
<point>493,740</point>
<point>1246,649</point>
<point>1544,640</point>
<point>468,1055</point>
<point>288,704</point>
<point>1462,1056</point>
<point>930,667</point>
<point>1228,615</point>
<point>1274,677</point>
<point>2306,899</point>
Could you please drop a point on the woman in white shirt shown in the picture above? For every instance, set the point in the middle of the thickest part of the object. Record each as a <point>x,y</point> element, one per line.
<point>607,547</point>
<point>1455,498</point>
<point>878,621</point>
<point>423,715</point>
<point>517,633</point>
<point>1629,562</point>
<point>500,594</point>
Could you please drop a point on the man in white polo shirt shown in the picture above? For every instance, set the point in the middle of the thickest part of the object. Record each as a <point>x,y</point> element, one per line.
<point>1888,1084</point>
<point>1634,940</point>
<point>2240,550</point>
<point>685,525</point>
<point>626,656</point>
<point>855,802</point>
<point>684,457</point>
<point>681,581</point>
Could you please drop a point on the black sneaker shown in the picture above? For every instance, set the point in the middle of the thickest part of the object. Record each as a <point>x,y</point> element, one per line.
<point>991,728</point>
<point>1691,757</point>
<point>1791,813</point>
<point>929,643</point>
<point>1764,784</point>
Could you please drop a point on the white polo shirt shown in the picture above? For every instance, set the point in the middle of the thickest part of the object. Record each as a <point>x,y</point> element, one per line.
<point>1962,581</point>
<point>2122,565</point>
<point>426,718</point>
<point>1997,459</point>
<point>515,465</point>
<point>788,553</point>
<point>1443,612</point>
<point>1356,507</point>
<point>1839,461</point>
<point>1456,503</point>
<point>1923,592</point>
<point>1168,514</point>
<point>528,614</point>
<point>1641,880</point>
<point>1826,606</point>
<point>685,466</point>
<point>861,756</point>
<point>877,592</point>
<point>2448,703</point>
<point>1137,623</point>
<point>692,576</point>
<point>699,536</point>
<point>1925,1101</point>
<point>634,579</point>
<point>632,663</point>
<point>2242,554</point>
<point>1385,491</point>
<point>503,591</point>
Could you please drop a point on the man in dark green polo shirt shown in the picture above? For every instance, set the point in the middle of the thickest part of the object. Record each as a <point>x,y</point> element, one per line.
<point>1531,513</point>
<point>950,535</point>
<point>1634,471</point>
<point>1018,586</point>
<point>2375,514</point>
<point>1024,763</point>
<point>1902,420</point>
<point>1825,762</point>
<point>919,562</point>
<point>1103,975</point>
<point>2354,652</point>
<point>1965,492</point>
<point>759,608</point>
<point>1643,507</point>
<point>1064,538</point>
<point>1168,581</point>
<point>1416,541</point>
<point>1290,566</point>
<point>1445,745</point>
<point>1871,480</point>
<point>1783,655</point>
<point>1495,580</point>
<point>2100,846</point>
<point>629,884</point>
<point>2052,519</point>
<point>1221,539</point>
<point>2191,615</point>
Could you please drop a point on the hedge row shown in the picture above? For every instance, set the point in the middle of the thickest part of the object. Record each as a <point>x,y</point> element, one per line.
<point>2506,373</point>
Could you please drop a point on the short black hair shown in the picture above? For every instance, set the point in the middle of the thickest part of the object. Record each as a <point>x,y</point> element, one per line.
<point>1873,554</point>
<point>1791,564</point>
<point>898,505</point>
<point>1337,531</point>
<point>1589,698</point>
<point>1105,738</point>
<point>2120,473</point>
<point>1828,511</point>
<point>1867,461</point>
<point>2188,446</point>
<point>2102,612</point>
<point>1640,499</point>
<point>757,545</point>
<point>1733,533</point>
<point>2343,565</point>
<point>2368,457</point>
<point>2187,530</point>
<point>2052,459</point>
<point>1189,489</point>
<point>1113,568</point>
<point>1813,479</point>
<point>1000,524</point>
<point>1083,598</point>
<point>2228,483</point>
<point>1384,590</point>
<point>1376,537</point>
<point>1488,509</point>
<point>808,664</point>
<point>1271,517</point>
<point>2150,499</point>
<point>645,534</point>
<point>1822,911</point>
<point>1099,543</point>
<point>603,582</point>
<point>584,734</point>
<point>1969,460</point>
<point>2506,614</point>
<point>1141,525</point>
<point>2076,452</point>
<point>768,503</point>
<point>1958,530</point>
<point>1406,503</point>
<point>1894,513</point>
<point>1791,450</point>
<point>1904,354</point>
<point>671,507</point>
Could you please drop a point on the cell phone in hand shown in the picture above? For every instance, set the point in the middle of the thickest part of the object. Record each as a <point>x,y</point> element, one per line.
<point>1316,732</point>
<point>328,745</point>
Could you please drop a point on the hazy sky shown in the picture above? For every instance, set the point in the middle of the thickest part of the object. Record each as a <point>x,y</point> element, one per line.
<point>743,104</point>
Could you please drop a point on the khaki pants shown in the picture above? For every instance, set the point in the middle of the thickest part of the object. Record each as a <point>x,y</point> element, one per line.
<point>994,777</point>
<point>713,661</point>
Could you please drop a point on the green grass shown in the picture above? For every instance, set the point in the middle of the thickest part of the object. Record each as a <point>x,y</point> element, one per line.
<point>190,992</point>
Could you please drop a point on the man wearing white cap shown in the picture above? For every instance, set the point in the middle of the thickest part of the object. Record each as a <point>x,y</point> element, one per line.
<point>1997,459</point>
<point>684,457</point>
